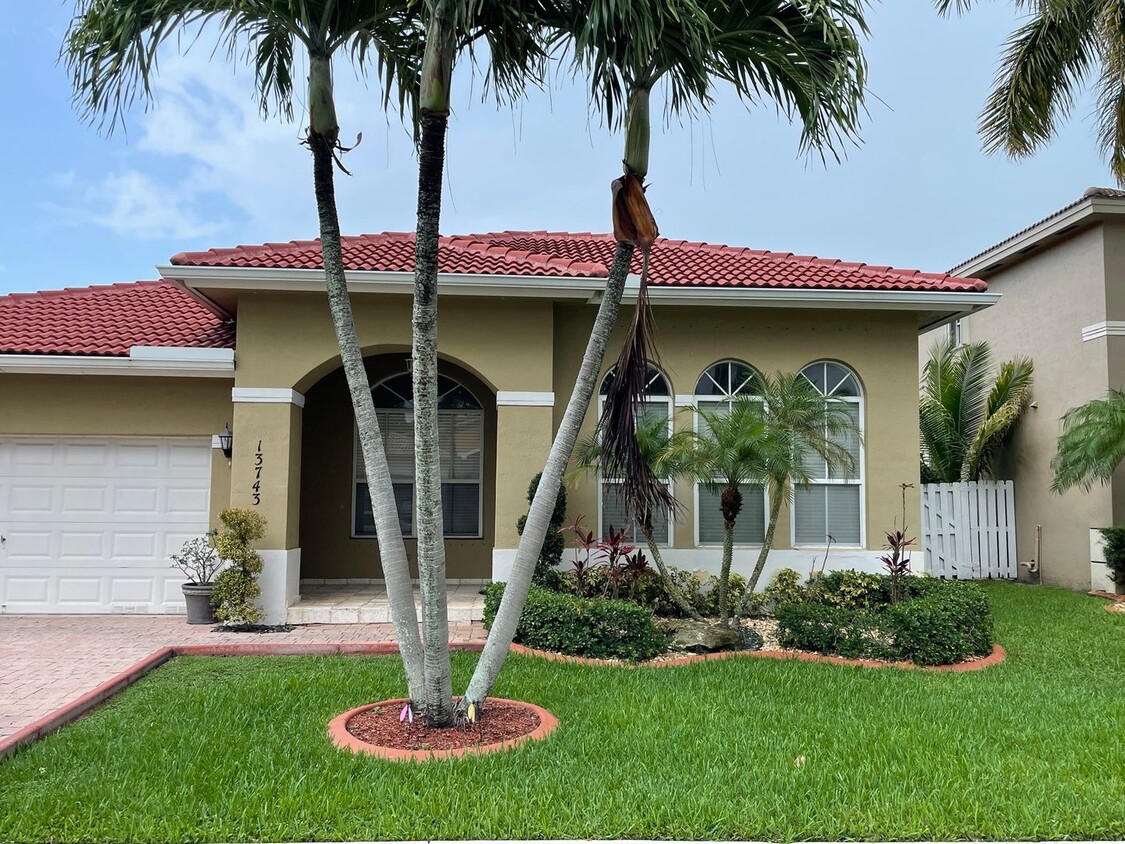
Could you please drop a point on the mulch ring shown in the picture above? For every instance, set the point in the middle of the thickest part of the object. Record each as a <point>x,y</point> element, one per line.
<point>379,730</point>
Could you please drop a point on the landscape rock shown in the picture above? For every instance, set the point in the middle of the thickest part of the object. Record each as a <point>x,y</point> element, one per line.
<point>696,637</point>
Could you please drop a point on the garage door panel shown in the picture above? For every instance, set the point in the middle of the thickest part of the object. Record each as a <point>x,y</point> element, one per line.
<point>90,524</point>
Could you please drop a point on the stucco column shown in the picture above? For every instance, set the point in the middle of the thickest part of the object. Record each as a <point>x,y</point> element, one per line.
<point>266,477</point>
<point>524,431</point>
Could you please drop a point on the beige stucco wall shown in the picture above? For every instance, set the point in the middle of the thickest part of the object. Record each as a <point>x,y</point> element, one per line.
<point>287,341</point>
<point>1045,302</point>
<point>881,347</point>
<point>85,405</point>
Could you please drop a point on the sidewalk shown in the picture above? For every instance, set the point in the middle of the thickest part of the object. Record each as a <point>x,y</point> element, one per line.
<point>46,661</point>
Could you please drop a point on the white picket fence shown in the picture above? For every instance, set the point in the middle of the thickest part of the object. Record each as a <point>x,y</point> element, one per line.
<point>969,530</point>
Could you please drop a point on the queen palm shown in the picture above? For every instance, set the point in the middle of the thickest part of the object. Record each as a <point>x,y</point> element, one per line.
<point>768,438</point>
<point>804,56</point>
<point>1046,63</point>
<point>111,50</point>
<point>1092,444</point>
<point>968,411</point>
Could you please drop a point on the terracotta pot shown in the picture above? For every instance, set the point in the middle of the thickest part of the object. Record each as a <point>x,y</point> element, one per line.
<point>198,599</point>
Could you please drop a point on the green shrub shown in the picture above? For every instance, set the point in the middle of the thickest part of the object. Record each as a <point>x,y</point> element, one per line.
<point>854,590</point>
<point>1115,554</point>
<point>652,592</point>
<point>848,613</point>
<point>784,588</point>
<point>547,573</point>
<point>236,587</point>
<point>948,625</point>
<point>593,627</point>
<point>825,629</point>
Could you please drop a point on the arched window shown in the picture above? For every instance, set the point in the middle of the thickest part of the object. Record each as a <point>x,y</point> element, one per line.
<point>833,504</point>
<point>715,393</point>
<point>461,444</point>
<point>657,404</point>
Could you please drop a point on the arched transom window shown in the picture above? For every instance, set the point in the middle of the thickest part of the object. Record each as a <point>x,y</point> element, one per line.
<point>833,504</point>
<point>657,404</point>
<point>461,443</point>
<point>715,393</point>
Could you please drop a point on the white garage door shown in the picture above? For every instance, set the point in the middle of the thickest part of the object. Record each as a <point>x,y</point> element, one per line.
<point>88,524</point>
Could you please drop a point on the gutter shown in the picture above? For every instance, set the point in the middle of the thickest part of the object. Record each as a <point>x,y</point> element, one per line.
<point>166,361</point>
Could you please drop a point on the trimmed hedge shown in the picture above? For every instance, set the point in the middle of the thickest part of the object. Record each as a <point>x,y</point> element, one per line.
<point>939,621</point>
<point>593,627</point>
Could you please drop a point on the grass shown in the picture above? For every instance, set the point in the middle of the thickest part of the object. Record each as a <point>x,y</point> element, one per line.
<point>234,749</point>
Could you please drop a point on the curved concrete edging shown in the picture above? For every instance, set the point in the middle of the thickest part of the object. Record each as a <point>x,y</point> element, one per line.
<point>997,656</point>
<point>338,732</point>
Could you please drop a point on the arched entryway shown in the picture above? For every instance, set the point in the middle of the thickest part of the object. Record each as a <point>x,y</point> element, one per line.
<point>336,535</point>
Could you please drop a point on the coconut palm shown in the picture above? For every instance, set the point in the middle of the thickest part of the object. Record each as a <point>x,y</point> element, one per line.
<point>1092,444</point>
<point>769,438</point>
<point>657,446</point>
<point>1045,65</point>
<point>967,412</point>
<point>804,56</point>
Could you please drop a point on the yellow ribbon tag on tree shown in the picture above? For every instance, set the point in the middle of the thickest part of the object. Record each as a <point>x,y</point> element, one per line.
<point>472,713</point>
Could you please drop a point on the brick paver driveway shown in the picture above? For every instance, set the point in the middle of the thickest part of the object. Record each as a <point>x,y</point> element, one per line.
<point>47,661</point>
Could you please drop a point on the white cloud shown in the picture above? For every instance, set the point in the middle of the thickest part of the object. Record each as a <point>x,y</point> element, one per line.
<point>132,203</point>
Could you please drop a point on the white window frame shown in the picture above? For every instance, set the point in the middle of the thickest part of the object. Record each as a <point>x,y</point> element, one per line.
<point>701,401</point>
<point>602,482</point>
<point>358,478</point>
<point>861,475</point>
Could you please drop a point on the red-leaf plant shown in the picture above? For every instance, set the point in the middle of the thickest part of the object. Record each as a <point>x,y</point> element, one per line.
<point>897,563</point>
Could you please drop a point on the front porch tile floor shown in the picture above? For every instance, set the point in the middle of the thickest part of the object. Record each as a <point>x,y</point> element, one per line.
<point>366,603</point>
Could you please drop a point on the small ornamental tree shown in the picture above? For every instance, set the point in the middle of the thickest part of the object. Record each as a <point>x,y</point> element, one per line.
<point>236,587</point>
<point>547,572</point>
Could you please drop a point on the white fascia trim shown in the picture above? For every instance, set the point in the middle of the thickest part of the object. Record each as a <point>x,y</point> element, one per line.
<point>181,353</point>
<point>520,398</point>
<point>1107,328</point>
<point>999,253</point>
<point>266,395</point>
<point>557,287</point>
<point>92,365</point>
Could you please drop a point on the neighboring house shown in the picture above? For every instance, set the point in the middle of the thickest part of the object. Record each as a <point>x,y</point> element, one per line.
<point>1062,288</point>
<point>110,398</point>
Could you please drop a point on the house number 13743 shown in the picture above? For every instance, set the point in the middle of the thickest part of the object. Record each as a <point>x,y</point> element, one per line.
<point>256,487</point>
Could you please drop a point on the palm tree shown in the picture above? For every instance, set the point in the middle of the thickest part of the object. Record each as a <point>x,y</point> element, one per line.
<point>657,445</point>
<point>1092,444</point>
<point>768,438</point>
<point>111,48</point>
<point>513,33</point>
<point>1046,63</point>
<point>803,55</point>
<point>966,412</point>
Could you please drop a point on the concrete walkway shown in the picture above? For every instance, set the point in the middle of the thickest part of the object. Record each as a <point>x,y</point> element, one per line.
<point>46,661</point>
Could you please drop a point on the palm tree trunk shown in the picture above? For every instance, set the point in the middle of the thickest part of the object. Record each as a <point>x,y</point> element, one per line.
<point>673,590</point>
<point>392,550</point>
<point>433,119</point>
<point>542,505</point>
<point>767,544</point>
<point>724,573</point>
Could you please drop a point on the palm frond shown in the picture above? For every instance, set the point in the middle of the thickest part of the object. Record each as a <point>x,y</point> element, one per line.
<point>1092,444</point>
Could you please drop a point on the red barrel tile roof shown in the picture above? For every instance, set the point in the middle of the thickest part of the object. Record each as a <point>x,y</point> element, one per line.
<point>674,263</point>
<point>107,320</point>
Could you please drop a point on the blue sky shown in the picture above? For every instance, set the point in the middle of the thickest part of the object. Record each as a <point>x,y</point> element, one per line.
<point>200,169</point>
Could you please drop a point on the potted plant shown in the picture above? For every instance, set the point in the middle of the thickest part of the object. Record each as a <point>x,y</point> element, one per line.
<point>199,561</point>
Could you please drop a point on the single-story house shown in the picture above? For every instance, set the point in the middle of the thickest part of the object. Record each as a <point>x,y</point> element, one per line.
<point>112,399</point>
<point>1062,282</point>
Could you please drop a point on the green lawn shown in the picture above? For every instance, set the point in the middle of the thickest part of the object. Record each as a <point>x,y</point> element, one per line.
<point>234,749</point>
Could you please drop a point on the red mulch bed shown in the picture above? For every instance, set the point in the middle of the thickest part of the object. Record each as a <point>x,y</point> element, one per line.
<point>499,721</point>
